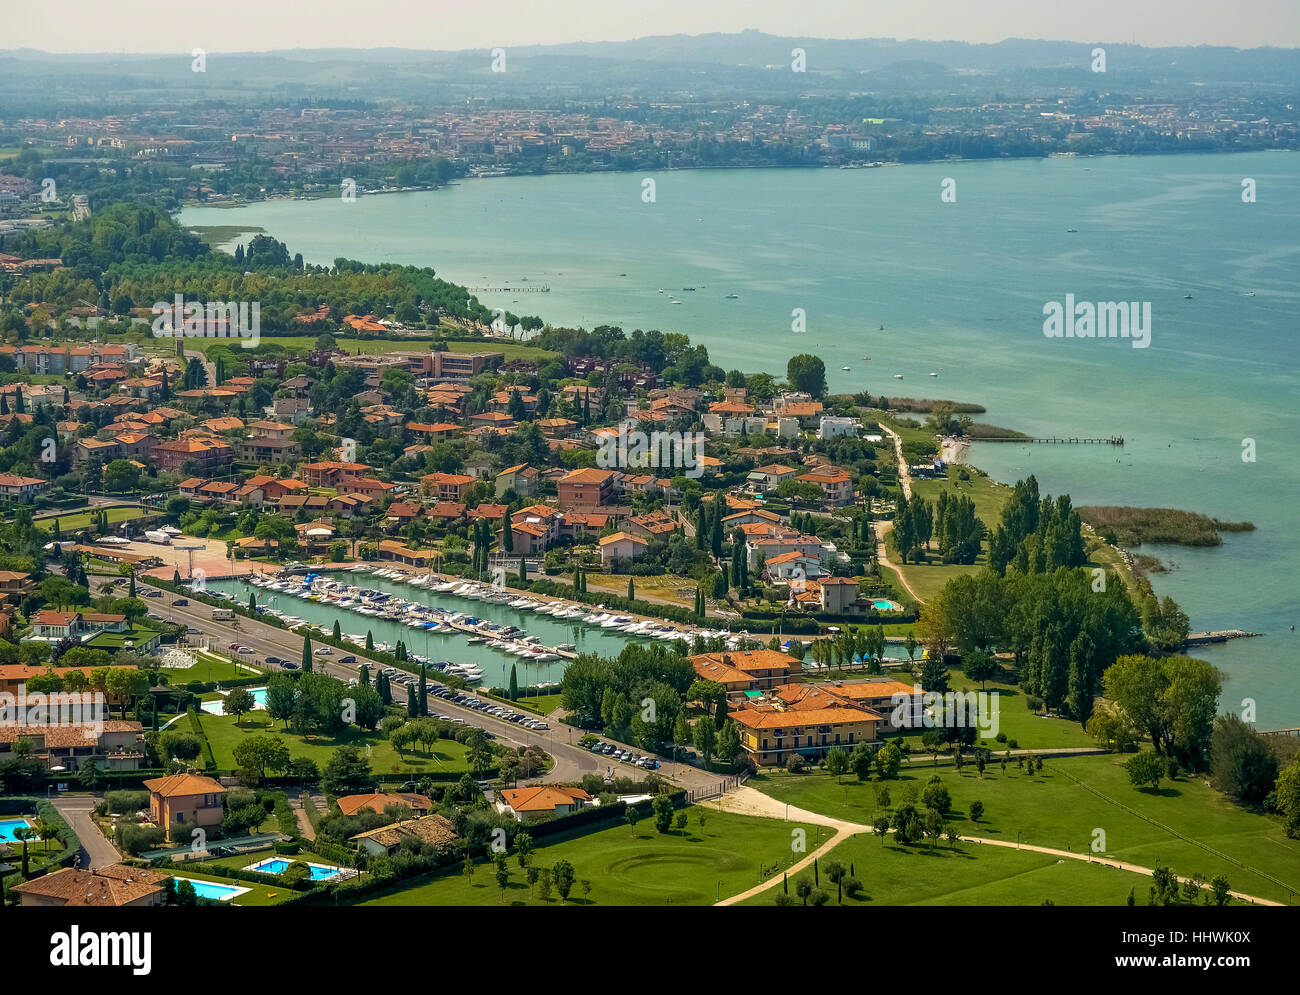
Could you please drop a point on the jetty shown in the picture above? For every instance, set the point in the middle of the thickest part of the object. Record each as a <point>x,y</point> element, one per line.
<point>542,289</point>
<point>1114,440</point>
<point>1219,636</point>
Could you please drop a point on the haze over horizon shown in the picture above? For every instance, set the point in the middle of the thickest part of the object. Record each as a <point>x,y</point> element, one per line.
<point>151,27</point>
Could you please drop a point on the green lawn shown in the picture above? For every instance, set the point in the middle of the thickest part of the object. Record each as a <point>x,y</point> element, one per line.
<point>207,669</point>
<point>969,874</point>
<point>625,867</point>
<point>1030,730</point>
<point>224,735</point>
<point>989,496</point>
<point>1049,809</point>
<point>81,519</point>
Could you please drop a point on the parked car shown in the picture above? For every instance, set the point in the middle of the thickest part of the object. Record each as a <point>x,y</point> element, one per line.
<point>181,602</point>
<point>347,659</point>
<point>289,665</point>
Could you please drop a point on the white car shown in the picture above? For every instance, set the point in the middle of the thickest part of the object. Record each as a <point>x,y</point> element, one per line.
<point>322,651</point>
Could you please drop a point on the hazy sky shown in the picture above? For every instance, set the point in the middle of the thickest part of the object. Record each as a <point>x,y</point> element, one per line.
<point>259,25</point>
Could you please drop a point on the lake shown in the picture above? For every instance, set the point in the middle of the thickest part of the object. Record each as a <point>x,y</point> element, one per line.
<point>960,290</point>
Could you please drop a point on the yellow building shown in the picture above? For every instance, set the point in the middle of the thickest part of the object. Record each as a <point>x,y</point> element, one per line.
<point>805,719</point>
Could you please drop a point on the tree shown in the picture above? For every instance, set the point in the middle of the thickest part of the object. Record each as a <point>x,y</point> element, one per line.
<point>563,876</point>
<point>513,692</point>
<point>979,666</point>
<point>1242,763</point>
<point>807,373</point>
<point>631,817</point>
<point>1288,798</point>
<point>888,761</point>
<point>257,754</point>
<point>1145,768</point>
<point>306,654</point>
<point>706,740</point>
<point>238,702</point>
<point>1172,699</point>
<point>935,796</point>
<point>976,810</point>
<point>908,827</point>
<point>347,772</point>
<point>662,807</point>
<point>729,745</point>
<point>837,762</point>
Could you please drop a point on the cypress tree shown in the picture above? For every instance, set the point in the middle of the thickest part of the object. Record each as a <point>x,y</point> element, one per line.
<point>514,684</point>
<point>631,590</point>
<point>424,693</point>
<point>252,601</point>
<point>363,677</point>
<point>370,641</point>
<point>338,630</point>
<point>306,654</point>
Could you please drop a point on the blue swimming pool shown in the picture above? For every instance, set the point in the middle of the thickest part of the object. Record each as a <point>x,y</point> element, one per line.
<point>881,605</point>
<point>212,890</point>
<point>7,827</point>
<point>278,865</point>
<point>217,705</point>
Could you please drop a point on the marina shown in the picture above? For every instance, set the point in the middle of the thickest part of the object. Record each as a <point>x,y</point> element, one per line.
<point>429,614</point>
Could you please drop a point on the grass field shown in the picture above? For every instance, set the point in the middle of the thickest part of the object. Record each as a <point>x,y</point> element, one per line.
<point>990,497</point>
<point>81,519</point>
<point>968,874</point>
<point>224,735</point>
<point>208,670</point>
<point>636,867</point>
<point>1030,730</point>
<point>1050,809</point>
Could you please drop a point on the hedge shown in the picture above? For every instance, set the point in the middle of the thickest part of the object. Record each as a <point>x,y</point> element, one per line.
<point>209,758</point>
<point>45,812</point>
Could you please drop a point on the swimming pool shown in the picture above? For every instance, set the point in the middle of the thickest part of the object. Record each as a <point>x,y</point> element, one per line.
<point>7,827</point>
<point>278,865</point>
<point>881,605</point>
<point>214,891</point>
<point>214,707</point>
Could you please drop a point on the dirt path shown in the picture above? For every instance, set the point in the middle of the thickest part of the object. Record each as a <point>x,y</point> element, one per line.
<point>883,528</point>
<point>751,801</point>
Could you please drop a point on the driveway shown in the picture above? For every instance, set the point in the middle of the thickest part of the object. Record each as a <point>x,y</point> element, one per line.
<point>96,851</point>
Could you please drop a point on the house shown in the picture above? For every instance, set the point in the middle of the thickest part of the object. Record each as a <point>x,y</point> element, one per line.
<point>327,473</point>
<point>15,585</point>
<point>749,670</point>
<point>112,744</point>
<point>588,489</point>
<point>524,804</point>
<point>836,484</point>
<point>621,546</point>
<point>771,476</point>
<point>430,830</point>
<point>114,886</point>
<point>378,801</point>
<point>808,719</point>
<point>390,549</point>
<point>521,479</point>
<point>269,442</point>
<point>649,526</point>
<point>447,486</point>
<point>13,485</point>
<point>902,705</point>
<point>193,455</point>
<point>188,800</point>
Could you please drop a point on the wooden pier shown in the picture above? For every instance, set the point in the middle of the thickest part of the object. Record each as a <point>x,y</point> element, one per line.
<point>1219,636</point>
<point>1114,440</point>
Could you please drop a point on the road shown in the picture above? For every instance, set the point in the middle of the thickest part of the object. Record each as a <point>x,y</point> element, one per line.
<point>883,527</point>
<point>95,850</point>
<point>750,801</point>
<point>571,761</point>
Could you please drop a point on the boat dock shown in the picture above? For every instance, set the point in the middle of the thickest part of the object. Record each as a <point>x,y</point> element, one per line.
<point>1114,440</point>
<point>1219,636</point>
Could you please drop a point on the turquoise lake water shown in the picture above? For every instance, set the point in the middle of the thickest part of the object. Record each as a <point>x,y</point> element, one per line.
<point>960,290</point>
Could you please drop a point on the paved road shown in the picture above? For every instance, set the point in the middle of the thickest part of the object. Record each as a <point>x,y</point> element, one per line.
<point>571,761</point>
<point>750,801</point>
<point>96,851</point>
